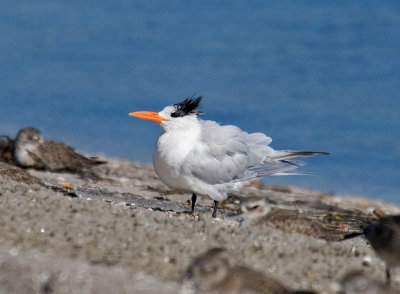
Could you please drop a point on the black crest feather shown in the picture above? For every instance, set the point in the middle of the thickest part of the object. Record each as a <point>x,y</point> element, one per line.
<point>187,106</point>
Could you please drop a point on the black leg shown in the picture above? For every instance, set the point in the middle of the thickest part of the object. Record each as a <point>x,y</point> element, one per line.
<point>194,197</point>
<point>214,215</point>
<point>387,275</point>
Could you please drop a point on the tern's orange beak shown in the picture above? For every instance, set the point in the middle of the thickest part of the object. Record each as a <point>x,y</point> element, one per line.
<point>150,115</point>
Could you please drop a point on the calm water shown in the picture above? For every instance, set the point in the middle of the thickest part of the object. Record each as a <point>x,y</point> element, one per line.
<point>319,75</point>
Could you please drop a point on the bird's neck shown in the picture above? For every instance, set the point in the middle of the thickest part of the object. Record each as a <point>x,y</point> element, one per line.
<point>180,137</point>
<point>184,124</point>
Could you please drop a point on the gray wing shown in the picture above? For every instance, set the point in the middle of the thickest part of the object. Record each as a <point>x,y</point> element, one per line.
<point>59,156</point>
<point>228,154</point>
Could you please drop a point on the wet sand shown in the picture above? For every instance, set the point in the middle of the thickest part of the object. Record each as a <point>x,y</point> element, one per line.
<point>128,233</point>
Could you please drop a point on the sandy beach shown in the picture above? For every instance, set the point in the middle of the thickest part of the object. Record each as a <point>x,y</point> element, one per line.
<point>126,232</point>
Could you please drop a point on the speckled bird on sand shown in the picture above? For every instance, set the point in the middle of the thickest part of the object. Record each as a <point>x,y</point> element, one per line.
<point>31,150</point>
<point>216,272</point>
<point>384,237</point>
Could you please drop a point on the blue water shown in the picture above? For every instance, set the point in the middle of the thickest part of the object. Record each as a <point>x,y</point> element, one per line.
<point>319,75</point>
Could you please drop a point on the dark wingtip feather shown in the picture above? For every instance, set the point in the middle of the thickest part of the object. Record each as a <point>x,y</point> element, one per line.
<point>352,235</point>
<point>309,153</point>
<point>95,160</point>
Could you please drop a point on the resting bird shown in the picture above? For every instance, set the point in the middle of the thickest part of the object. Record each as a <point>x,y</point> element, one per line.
<point>202,157</point>
<point>216,272</point>
<point>358,283</point>
<point>256,212</point>
<point>30,150</point>
<point>384,237</point>
<point>6,149</point>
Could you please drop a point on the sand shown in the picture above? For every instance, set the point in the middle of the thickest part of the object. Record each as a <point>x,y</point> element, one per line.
<point>128,233</point>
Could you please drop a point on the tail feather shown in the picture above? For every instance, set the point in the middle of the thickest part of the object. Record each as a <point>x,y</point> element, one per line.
<point>289,154</point>
<point>96,161</point>
<point>278,164</point>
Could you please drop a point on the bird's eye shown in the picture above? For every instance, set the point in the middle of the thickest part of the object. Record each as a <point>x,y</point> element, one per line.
<point>378,231</point>
<point>35,138</point>
<point>208,268</point>
<point>253,207</point>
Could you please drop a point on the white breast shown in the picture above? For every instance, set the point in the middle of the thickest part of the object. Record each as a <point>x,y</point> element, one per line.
<point>169,154</point>
<point>22,155</point>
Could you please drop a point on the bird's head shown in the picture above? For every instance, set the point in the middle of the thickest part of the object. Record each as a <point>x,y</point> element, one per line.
<point>29,136</point>
<point>188,107</point>
<point>356,282</point>
<point>253,208</point>
<point>209,269</point>
<point>27,143</point>
<point>5,141</point>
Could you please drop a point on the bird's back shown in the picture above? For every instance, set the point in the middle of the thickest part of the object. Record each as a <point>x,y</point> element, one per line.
<point>255,282</point>
<point>58,156</point>
<point>227,154</point>
<point>221,155</point>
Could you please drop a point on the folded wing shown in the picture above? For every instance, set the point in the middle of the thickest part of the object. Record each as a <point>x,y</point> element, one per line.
<point>227,154</point>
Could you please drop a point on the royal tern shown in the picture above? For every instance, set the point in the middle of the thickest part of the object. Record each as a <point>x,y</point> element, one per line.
<point>202,157</point>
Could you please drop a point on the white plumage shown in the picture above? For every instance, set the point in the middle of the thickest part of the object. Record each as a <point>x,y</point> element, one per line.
<point>203,157</point>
